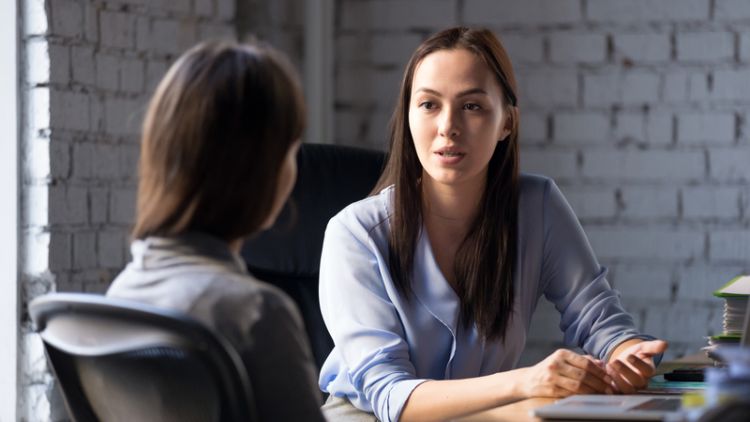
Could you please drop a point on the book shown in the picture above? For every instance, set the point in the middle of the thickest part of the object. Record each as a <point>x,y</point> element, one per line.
<point>736,294</point>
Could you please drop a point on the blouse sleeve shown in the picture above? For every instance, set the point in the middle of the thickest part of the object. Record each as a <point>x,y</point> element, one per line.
<point>363,321</point>
<point>592,316</point>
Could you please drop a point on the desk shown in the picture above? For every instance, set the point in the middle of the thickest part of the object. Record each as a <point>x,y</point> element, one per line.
<point>514,412</point>
<point>520,410</point>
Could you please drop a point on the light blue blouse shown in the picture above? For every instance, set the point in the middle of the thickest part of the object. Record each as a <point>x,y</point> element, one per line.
<point>385,345</point>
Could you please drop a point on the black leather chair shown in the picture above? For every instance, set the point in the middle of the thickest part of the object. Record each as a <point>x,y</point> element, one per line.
<point>118,360</point>
<point>330,177</point>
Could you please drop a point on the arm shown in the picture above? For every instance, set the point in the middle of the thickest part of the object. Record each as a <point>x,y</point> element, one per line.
<point>632,363</point>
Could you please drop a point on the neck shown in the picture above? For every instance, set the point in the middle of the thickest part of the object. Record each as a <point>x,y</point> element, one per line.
<point>236,245</point>
<point>452,205</point>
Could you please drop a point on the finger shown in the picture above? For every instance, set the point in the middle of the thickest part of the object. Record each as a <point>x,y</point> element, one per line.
<point>620,384</point>
<point>595,384</point>
<point>587,364</point>
<point>574,386</point>
<point>626,372</point>
<point>644,367</point>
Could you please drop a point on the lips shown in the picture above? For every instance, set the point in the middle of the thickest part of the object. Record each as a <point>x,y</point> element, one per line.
<point>449,156</point>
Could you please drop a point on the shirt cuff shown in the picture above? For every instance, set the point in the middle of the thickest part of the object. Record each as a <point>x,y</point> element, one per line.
<point>398,395</point>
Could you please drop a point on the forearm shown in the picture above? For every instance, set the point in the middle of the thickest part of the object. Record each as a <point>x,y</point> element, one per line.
<point>448,399</point>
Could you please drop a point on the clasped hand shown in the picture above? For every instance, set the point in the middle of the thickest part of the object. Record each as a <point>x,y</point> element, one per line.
<point>565,372</point>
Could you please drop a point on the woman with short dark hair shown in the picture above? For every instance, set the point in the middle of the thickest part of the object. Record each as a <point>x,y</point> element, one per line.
<point>218,161</point>
<point>442,267</point>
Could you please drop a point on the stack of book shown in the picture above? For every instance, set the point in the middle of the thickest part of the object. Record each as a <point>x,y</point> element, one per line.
<point>736,294</point>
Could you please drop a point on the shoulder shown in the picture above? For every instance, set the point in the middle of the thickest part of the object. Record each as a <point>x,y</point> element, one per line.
<point>364,217</point>
<point>533,189</point>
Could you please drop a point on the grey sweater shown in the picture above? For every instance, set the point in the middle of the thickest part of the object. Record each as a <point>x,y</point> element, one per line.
<point>198,275</point>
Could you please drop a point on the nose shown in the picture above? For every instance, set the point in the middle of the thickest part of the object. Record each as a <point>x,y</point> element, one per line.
<point>449,125</point>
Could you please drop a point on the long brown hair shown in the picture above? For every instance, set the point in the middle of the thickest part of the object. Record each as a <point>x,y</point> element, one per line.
<point>214,138</point>
<point>485,262</point>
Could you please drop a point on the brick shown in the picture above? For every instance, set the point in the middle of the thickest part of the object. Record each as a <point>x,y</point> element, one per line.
<point>91,22</point>
<point>533,127</point>
<point>706,128</point>
<point>38,63</point>
<point>37,166</point>
<point>107,72</point>
<point>731,10</point>
<point>524,48</point>
<point>600,89</point>
<point>60,251</point>
<point>204,8</point>
<point>568,47</point>
<point>34,17</point>
<point>99,202</point>
<point>66,18</point>
<point>35,204</point>
<point>97,112</point>
<point>225,9</point>
<point>675,86</point>
<point>640,11</point>
<point>105,162</point>
<point>111,250</point>
<point>639,87</point>
<point>121,116</point>
<point>120,29</point>
<point>730,84</point>
<point>643,47</point>
<point>122,206</point>
<point>38,108</point>
<point>83,65</point>
<point>646,243</point>
<point>67,205</point>
<point>581,127</point>
<point>555,164</point>
<point>69,110</point>
<point>60,166</point>
<point>643,282</point>
<point>84,250</point>
<point>155,71</point>
<point>394,14</point>
<point>729,245</point>
<point>630,127</point>
<point>678,321</point>
<point>711,202</point>
<point>644,166</point>
<point>207,31</point>
<point>128,155</point>
<point>163,35</point>
<point>698,282</point>
<point>546,87</point>
<point>508,12</point>
<point>744,47</point>
<point>132,75</point>
<point>659,128</point>
<point>729,164</point>
<point>393,49</point>
<point>705,46</point>
<point>187,35</point>
<point>591,202</point>
<point>646,202</point>
<point>59,57</point>
<point>698,86</point>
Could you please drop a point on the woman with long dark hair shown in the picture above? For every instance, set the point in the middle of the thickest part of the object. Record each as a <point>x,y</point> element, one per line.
<point>428,286</point>
<point>217,164</point>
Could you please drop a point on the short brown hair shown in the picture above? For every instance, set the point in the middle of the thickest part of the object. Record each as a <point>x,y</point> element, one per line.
<point>214,138</point>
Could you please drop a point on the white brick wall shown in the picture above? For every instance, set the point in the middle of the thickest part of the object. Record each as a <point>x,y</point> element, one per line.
<point>90,69</point>
<point>637,109</point>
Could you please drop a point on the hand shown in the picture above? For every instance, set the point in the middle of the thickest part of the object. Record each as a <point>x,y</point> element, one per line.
<point>564,373</point>
<point>633,366</point>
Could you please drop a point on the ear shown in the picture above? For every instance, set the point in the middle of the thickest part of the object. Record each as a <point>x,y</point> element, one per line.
<point>506,129</point>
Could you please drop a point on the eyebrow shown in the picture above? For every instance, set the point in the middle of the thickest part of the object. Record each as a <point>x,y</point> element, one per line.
<point>460,94</point>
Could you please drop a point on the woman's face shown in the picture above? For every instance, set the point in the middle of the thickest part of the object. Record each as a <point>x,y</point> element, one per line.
<point>456,116</point>
<point>287,177</point>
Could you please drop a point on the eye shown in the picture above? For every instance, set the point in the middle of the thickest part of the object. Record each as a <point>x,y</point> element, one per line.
<point>427,105</point>
<point>472,107</point>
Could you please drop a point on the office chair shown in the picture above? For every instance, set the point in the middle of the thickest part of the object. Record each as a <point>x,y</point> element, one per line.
<point>117,360</point>
<point>329,178</point>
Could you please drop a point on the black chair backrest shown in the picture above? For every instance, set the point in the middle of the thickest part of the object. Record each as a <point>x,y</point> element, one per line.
<point>329,178</point>
<point>118,360</point>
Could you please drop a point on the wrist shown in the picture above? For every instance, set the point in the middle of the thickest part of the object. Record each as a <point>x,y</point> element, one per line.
<point>511,385</point>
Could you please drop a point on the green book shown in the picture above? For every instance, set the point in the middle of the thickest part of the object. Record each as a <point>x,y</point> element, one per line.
<point>736,287</point>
